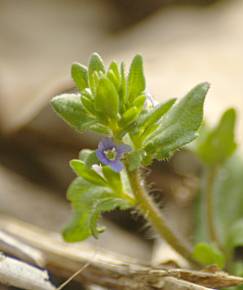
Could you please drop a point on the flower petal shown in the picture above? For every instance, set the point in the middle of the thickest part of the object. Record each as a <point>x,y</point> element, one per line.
<point>102,157</point>
<point>116,165</point>
<point>105,144</point>
<point>150,102</point>
<point>121,149</point>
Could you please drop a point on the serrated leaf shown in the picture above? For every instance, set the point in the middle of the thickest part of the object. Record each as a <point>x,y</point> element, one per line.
<point>88,202</point>
<point>107,99</point>
<point>180,125</point>
<point>104,205</point>
<point>79,74</point>
<point>96,65</point>
<point>70,109</point>
<point>219,144</point>
<point>136,80</point>
<point>82,170</point>
<point>207,254</point>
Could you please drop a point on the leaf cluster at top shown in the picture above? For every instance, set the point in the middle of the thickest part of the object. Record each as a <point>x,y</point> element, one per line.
<point>116,104</point>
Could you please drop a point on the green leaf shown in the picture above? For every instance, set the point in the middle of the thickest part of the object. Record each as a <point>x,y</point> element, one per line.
<point>87,173</point>
<point>238,271</point>
<point>139,101</point>
<point>219,144</point>
<point>180,125</point>
<point>88,202</point>
<point>107,99</point>
<point>148,131</point>
<point>228,204</point>
<point>96,65</point>
<point>235,236</point>
<point>135,159</point>
<point>101,129</point>
<point>207,254</point>
<point>114,75</point>
<point>123,90</point>
<point>87,103</point>
<point>104,205</point>
<point>84,154</point>
<point>129,116</point>
<point>136,80</point>
<point>88,157</point>
<point>113,178</point>
<point>79,74</point>
<point>70,109</point>
<point>155,114</point>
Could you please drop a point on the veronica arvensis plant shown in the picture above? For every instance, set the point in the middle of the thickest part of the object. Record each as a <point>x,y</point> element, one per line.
<point>135,131</point>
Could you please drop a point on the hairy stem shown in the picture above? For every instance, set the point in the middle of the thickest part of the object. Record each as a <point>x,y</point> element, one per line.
<point>154,215</point>
<point>211,175</point>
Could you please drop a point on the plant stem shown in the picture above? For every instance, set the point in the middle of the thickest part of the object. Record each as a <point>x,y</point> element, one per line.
<point>154,215</point>
<point>211,175</point>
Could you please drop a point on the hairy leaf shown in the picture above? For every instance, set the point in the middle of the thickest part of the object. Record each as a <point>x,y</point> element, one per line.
<point>155,114</point>
<point>82,170</point>
<point>135,159</point>
<point>88,157</point>
<point>136,79</point>
<point>114,75</point>
<point>88,202</point>
<point>180,125</point>
<point>80,75</point>
<point>107,99</point>
<point>129,116</point>
<point>96,65</point>
<point>113,178</point>
<point>70,109</point>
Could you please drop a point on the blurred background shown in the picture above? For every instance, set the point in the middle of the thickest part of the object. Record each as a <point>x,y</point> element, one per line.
<point>183,43</point>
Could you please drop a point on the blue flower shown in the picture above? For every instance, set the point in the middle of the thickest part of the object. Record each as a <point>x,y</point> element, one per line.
<point>150,102</point>
<point>110,154</point>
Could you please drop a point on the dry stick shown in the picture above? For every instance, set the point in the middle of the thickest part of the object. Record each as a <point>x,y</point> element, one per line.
<point>156,218</point>
<point>22,275</point>
<point>73,276</point>
<point>8,244</point>
<point>108,269</point>
<point>174,283</point>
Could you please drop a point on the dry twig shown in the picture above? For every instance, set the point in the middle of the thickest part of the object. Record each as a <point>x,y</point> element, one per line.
<point>108,269</point>
<point>22,275</point>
